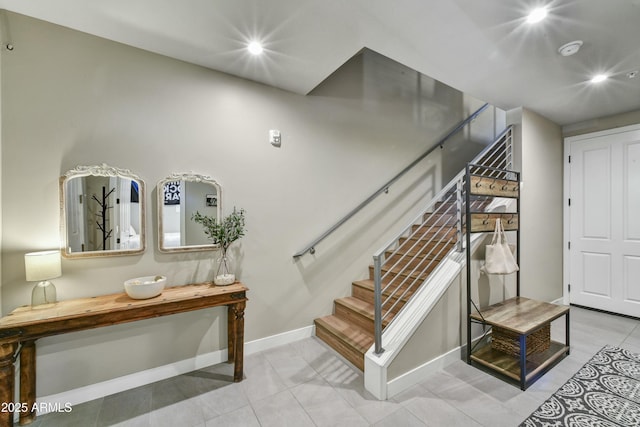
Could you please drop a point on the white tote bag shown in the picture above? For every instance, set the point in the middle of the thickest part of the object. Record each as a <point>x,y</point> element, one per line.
<point>499,258</point>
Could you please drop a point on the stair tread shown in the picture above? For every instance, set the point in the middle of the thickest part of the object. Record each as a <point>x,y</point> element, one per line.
<point>358,338</point>
<point>368,284</point>
<point>365,283</point>
<point>413,254</point>
<point>356,304</point>
<point>442,236</point>
<point>417,270</point>
<point>363,307</point>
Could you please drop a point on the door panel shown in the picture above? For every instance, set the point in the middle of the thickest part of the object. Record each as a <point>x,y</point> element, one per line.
<point>596,182</point>
<point>604,222</point>
<point>631,278</point>
<point>632,191</point>
<point>597,274</point>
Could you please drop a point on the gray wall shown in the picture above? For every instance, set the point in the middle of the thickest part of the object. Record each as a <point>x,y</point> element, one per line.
<point>602,123</point>
<point>541,206</point>
<point>438,333</point>
<point>72,99</point>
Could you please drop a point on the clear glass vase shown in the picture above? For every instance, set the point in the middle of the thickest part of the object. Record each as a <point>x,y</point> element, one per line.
<point>225,269</point>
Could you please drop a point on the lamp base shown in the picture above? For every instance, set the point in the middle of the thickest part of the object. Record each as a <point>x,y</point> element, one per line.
<point>43,293</point>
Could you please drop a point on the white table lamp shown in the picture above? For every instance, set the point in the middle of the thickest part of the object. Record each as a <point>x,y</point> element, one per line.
<point>41,267</point>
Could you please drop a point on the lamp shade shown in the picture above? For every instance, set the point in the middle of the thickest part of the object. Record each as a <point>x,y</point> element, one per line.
<point>42,265</point>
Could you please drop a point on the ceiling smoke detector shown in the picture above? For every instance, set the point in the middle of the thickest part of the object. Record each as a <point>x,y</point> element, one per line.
<point>632,74</point>
<point>570,48</point>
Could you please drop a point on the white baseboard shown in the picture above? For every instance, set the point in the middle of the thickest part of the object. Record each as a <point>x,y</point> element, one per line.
<point>559,301</point>
<point>416,375</point>
<point>277,340</point>
<point>148,376</point>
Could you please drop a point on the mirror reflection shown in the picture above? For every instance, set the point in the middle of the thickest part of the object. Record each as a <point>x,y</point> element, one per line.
<point>102,212</point>
<point>179,197</point>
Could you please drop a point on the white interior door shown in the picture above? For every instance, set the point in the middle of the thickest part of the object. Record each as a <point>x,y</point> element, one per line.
<point>604,221</point>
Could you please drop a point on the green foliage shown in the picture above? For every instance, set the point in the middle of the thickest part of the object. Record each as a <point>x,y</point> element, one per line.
<point>223,232</point>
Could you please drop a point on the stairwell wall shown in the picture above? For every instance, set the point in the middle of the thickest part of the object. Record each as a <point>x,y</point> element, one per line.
<point>602,123</point>
<point>71,99</point>
<point>541,205</point>
<point>438,334</point>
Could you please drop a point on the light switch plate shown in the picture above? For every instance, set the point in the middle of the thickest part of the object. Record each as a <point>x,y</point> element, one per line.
<point>274,137</point>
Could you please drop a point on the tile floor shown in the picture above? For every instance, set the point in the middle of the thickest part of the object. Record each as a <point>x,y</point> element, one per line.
<point>307,384</point>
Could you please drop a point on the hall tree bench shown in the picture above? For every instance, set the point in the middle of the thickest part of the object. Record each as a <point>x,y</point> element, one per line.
<point>20,329</point>
<point>519,320</point>
<point>516,343</point>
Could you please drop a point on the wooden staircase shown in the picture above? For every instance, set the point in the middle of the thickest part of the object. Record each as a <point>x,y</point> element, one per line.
<point>349,330</point>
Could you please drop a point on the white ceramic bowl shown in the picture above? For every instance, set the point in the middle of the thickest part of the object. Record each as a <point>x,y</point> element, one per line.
<point>145,287</point>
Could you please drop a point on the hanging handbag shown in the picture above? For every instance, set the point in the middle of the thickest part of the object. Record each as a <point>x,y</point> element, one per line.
<point>499,258</point>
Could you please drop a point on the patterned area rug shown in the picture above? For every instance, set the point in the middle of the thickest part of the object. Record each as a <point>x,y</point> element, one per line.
<point>604,393</point>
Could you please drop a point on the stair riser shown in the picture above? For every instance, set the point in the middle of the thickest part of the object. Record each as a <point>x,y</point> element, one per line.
<point>364,294</point>
<point>412,246</point>
<point>367,294</point>
<point>353,317</point>
<point>415,255</point>
<point>444,219</point>
<point>444,208</point>
<point>418,274</point>
<point>451,206</point>
<point>363,320</point>
<point>408,264</point>
<point>436,230</point>
<point>348,352</point>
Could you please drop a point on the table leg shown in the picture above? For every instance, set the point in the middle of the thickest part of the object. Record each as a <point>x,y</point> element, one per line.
<point>236,334</point>
<point>28,381</point>
<point>567,334</point>
<point>231,334</point>
<point>7,382</point>
<point>523,362</point>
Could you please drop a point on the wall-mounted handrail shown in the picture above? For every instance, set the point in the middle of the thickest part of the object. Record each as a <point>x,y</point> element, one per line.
<point>385,188</point>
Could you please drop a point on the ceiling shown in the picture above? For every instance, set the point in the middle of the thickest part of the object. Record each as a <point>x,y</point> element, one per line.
<point>483,48</point>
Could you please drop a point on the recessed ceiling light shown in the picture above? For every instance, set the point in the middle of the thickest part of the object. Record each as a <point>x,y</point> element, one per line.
<point>537,15</point>
<point>599,78</point>
<point>255,48</point>
<point>570,48</point>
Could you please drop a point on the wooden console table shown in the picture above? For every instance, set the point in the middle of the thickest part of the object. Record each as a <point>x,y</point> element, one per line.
<point>21,328</point>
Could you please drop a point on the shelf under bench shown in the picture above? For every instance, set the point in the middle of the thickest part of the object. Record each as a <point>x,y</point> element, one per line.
<point>523,317</point>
